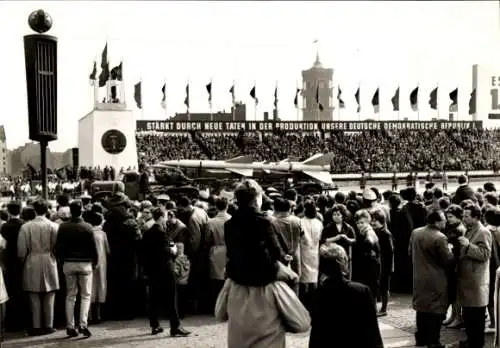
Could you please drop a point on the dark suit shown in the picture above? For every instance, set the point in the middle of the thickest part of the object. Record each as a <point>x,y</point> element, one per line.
<point>344,312</point>
<point>462,193</point>
<point>157,262</point>
<point>17,306</point>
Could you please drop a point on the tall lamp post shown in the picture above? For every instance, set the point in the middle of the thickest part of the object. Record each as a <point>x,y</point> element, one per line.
<point>40,52</point>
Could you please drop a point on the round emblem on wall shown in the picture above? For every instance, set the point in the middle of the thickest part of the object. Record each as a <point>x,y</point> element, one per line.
<point>113,141</point>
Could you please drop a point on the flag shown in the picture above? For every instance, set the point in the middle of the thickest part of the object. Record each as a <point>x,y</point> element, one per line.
<point>138,94</point>
<point>454,100</point>
<point>276,97</point>
<point>339,99</point>
<point>233,97</point>
<point>395,100</point>
<point>186,100</point>
<point>253,94</point>
<point>296,99</point>
<point>357,99</point>
<point>375,100</point>
<point>209,91</point>
<point>116,72</point>
<point>104,75</point>
<point>93,74</point>
<point>433,99</point>
<point>164,96</point>
<point>320,106</point>
<point>414,99</point>
<point>472,102</point>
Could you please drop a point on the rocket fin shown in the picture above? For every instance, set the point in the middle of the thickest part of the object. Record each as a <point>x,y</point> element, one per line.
<point>323,176</point>
<point>240,159</point>
<point>319,159</point>
<point>242,172</point>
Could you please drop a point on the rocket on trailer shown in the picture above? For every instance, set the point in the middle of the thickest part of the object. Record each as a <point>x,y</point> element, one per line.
<point>317,167</point>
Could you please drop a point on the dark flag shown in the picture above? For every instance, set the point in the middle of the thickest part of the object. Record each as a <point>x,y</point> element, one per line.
<point>93,74</point>
<point>472,102</point>
<point>138,94</point>
<point>104,75</point>
<point>375,100</point>
<point>233,96</point>
<point>414,99</point>
<point>164,96</point>
<point>454,100</point>
<point>357,99</point>
<point>116,72</point>
<point>209,91</point>
<point>276,97</point>
<point>433,99</point>
<point>296,99</point>
<point>339,99</point>
<point>395,100</point>
<point>320,106</point>
<point>253,94</point>
<point>186,100</point>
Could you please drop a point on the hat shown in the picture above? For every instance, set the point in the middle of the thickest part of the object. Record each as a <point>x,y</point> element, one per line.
<point>271,189</point>
<point>163,197</point>
<point>204,195</point>
<point>118,199</point>
<point>85,196</point>
<point>369,195</point>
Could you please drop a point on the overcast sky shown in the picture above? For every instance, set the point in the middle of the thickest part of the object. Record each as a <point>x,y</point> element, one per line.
<point>372,43</point>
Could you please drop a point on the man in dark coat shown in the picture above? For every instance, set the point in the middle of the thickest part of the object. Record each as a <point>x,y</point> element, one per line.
<point>411,216</point>
<point>464,191</point>
<point>157,254</point>
<point>123,236</point>
<point>344,310</point>
<point>17,306</point>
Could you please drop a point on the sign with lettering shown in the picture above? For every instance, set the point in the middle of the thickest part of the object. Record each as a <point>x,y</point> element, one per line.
<point>494,109</point>
<point>298,126</point>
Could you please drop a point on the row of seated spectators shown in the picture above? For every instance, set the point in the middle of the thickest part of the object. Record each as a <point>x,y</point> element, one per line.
<point>370,151</point>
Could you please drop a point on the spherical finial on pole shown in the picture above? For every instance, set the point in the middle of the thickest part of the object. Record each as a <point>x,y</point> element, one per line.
<point>40,21</point>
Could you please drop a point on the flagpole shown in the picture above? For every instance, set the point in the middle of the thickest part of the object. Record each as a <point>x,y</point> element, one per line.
<point>338,102</point>
<point>359,100</point>
<point>297,106</point>
<point>255,101</point>
<point>122,87</point>
<point>233,100</point>
<point>210,101</point>
<point>437,102</point>
<point>399,104</point>
<point>165,101</point>
<point>275,116</point>
<point>96,86</point>
<point>142,105</point>
<point>418,101</point>
<point>189,100</point>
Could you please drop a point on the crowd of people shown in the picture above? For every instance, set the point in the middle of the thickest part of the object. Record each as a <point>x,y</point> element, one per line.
<point>368,151</point>
<point>303,257</point>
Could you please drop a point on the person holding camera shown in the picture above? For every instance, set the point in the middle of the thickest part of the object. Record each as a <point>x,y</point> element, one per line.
<point>158,254</point>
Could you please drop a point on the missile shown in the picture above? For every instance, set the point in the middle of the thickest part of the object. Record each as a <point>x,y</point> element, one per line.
<point>317,166</point>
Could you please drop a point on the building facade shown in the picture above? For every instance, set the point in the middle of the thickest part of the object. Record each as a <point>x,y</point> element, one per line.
<point>317,89</point>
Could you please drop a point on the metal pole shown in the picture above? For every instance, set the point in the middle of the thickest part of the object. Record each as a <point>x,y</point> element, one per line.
<point>43,167</point>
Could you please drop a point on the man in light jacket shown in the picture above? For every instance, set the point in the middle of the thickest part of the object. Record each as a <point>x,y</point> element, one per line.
<point>473,275</point>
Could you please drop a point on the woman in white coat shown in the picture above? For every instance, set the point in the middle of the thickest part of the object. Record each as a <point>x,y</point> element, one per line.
<point>309,253</point>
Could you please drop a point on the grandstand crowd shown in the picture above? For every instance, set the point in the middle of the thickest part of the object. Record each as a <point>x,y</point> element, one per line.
<point>328,262</point>
<point>368,151</point>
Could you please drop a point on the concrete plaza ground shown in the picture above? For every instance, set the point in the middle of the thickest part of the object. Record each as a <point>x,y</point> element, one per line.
<point>397,330</point>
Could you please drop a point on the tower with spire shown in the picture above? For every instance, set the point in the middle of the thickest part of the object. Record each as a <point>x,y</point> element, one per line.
<point>317,82</point>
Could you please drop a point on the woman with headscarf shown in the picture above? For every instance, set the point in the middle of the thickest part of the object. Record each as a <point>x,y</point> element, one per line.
<point>343,309</point>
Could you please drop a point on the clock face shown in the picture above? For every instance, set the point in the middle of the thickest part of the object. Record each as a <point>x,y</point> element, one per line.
<point>113,141</point>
